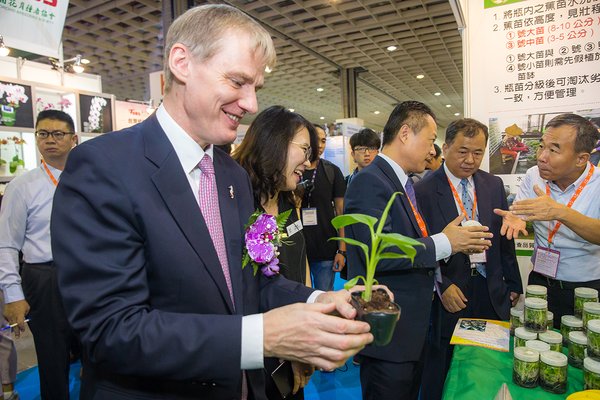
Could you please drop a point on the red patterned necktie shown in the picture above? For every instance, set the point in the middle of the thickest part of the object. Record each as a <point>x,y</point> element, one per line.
<point>209,206</point>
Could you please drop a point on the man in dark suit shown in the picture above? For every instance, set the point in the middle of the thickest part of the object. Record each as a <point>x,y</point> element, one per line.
<point>394,371</point>
<point>473,285</point>
<point>147,232</point>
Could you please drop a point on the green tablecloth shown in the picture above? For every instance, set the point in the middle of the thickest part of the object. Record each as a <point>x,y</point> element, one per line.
<point>477,373</point>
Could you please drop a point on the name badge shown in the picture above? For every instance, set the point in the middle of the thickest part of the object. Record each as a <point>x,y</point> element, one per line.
<point>546,261</point>
<point>479,258</point>
<point>309,217</point>
<point>293,228</point>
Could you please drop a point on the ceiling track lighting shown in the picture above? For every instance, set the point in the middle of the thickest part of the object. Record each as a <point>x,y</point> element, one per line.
<point>71,65</point>
<point>4,51</point>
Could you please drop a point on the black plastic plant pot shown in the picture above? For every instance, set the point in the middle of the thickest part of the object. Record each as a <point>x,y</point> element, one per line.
<point>382,322</point>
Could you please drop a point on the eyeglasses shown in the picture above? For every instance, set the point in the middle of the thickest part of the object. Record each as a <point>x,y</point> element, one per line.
<point>363,149</point>
<point>307,149</point>
<point>58,135</point>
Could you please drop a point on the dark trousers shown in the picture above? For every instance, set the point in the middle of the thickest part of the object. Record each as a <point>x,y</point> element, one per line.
<point>52,334</point>
<point>439,356</point>
<point>386,380</point>
<point>561,294</point>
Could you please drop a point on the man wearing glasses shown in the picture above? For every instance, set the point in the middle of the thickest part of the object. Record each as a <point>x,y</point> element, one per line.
<point>365,146</point>
<point>25,226</point>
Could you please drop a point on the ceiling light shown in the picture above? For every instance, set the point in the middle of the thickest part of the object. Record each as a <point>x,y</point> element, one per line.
<point>437,94</point>
<point>77,66</point>
<point>322,118</point>
<point>291,109</point>
<point>3,49</point>
<point>85,61</point>
<point>448,105</point>
<point>392,48</point>
<point>320,89</point>
<point>456,114</point>
<point>268,69</point>
<point>420,76</point>
<point>376,112</point>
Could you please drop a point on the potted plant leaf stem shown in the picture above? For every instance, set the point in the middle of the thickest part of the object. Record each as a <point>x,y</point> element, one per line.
<point>375,306</point>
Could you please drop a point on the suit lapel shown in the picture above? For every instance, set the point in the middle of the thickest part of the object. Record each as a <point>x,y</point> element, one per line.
<point>231,225</point>
<point>388,171</point>
<point>446,202</point>
<point>173,187</point>
<point>484,201</point>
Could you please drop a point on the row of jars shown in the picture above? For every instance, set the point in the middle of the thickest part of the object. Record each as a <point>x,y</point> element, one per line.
<point>536,317</point>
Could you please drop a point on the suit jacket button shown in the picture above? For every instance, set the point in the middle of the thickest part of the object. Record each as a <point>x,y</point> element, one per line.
<point>429,273</point>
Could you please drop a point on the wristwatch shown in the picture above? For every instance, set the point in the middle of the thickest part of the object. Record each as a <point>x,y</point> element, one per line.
<point>342,252</point>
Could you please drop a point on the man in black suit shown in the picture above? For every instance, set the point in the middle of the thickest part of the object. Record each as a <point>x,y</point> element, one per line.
<point>394,371</point>
<point>147,235</point>
<point>481,285</point>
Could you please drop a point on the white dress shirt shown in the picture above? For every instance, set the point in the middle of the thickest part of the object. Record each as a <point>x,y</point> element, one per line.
<point>25,226</point>
<point>456,183</point>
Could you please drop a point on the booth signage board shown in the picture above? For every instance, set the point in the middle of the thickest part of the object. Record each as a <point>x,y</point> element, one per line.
<point>96,113</point>
<point>34,26</point>
<point>16,109</point>
<point>128,114</point>
<point>526,62</point>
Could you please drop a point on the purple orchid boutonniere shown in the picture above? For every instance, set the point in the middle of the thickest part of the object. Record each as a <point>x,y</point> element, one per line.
<point>264,235</point>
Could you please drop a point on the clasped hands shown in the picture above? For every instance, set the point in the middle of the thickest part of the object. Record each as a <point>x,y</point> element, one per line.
<point>311,334</point>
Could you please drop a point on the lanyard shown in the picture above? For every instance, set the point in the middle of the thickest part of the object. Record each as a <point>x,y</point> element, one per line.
<point>312,181</point>
<point>573,198</point>
<point>460,203</point>
<point>419,219</point>
<point>49,173</point>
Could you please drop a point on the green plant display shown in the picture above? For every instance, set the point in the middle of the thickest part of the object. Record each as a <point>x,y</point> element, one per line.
<point>565,330</point>
<point>16,161</point>
<point>588,316</point>
<point>515,322</point>
<point>381,243</point>
<point>556,347</point>
<point>591,380</point>
<point>576,354</point>
<point>525,374</point>
<point>553,379</point>
<point>579,301</point>
<point>535,319</point>
<point>593,349</point>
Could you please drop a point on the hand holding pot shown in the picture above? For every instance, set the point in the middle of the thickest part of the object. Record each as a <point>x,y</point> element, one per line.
<point>306,333</point>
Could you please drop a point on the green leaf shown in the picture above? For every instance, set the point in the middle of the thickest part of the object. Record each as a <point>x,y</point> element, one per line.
<point>253,218</point>
<point>353,282</point>
<point>386,211</point>
<point>351,241</point>
<point>282,219</point>
<point>389,256</point>
<point>245,259</point>
<point>348,219</point>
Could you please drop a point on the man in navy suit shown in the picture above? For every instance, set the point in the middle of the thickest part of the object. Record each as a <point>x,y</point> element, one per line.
<point>481,285</point>
<point>155,292</point>
<point>394,371</point>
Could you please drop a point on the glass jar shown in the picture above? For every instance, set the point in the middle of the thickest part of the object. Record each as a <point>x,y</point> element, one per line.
<point>550,316</point>
<point>537,291</point>
<point>553,372</point>
<point>526,367</point>
<point>591,374</point>
<point>515,321</point>
<point>522,335</point>
<point>591,310</point>
<point>554,339</point>
<point>584,295</point>
<point>569,323</point>
<point>535,314</point>
<point>537,345</point>
<point>593,335</point>
<point>577,346</point>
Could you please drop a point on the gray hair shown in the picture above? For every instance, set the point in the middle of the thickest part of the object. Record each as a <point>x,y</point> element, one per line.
<point>201,29</point>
